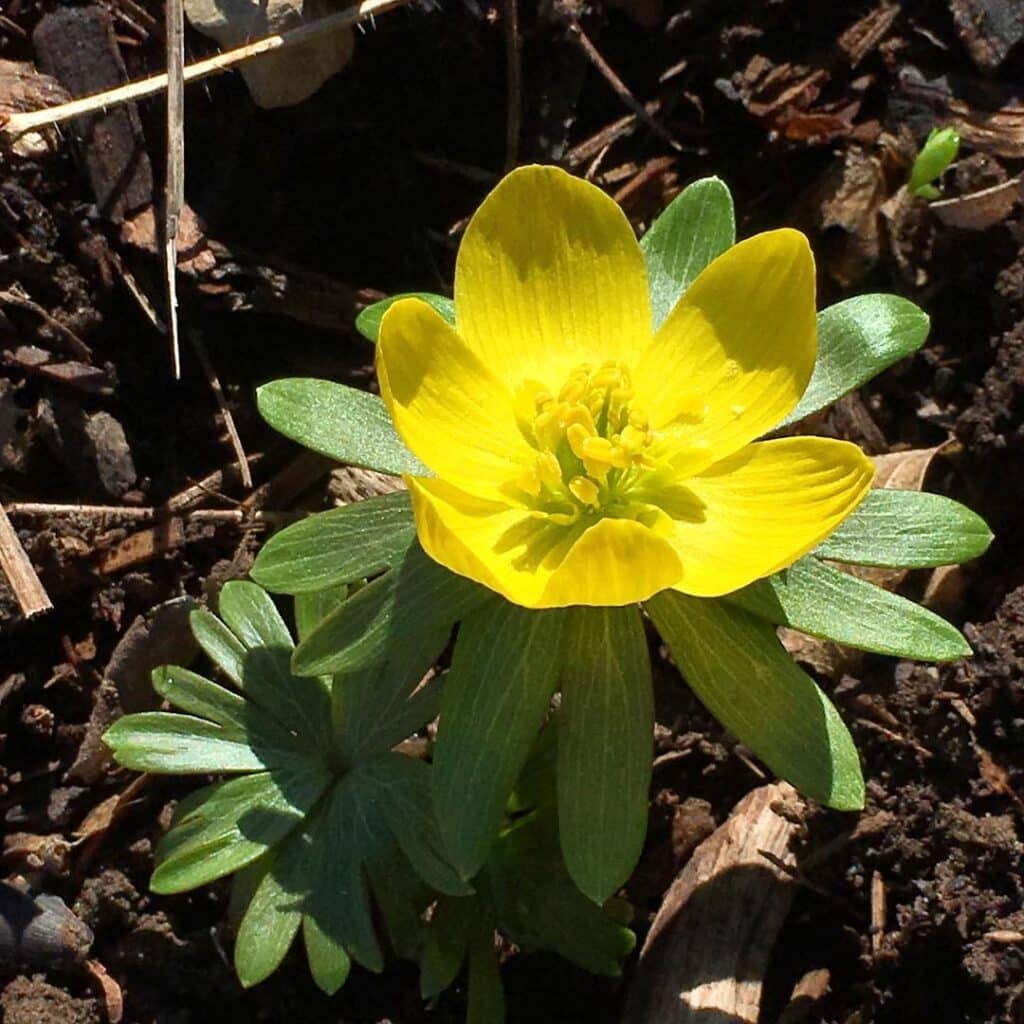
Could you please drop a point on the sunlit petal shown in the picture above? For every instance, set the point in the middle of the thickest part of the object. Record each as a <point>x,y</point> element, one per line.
<point>740,344</point>
<point>763,508</point>
<point>447,406</point>
<point>549,275</point>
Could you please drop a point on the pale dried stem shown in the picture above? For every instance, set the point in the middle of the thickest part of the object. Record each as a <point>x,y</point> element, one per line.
<point>31,120</point>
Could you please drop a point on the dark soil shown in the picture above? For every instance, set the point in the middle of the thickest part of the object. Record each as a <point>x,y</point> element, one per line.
<point>364,189</point>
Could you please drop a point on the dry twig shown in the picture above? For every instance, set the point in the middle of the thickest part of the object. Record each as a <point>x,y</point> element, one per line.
<point>174,191</point>
<point>29,591</point>
<point>28,121</point>
<point>513,83</point>
<point>229,421</point>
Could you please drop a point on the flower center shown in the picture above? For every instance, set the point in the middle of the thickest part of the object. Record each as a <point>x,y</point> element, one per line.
<point>593,444</point>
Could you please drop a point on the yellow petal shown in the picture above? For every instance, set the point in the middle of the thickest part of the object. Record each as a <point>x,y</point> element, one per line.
<point>537,563</point>
<point>549,275</point>
<point>742,340</point>
<point>446,405</point>
<point>762,508</point>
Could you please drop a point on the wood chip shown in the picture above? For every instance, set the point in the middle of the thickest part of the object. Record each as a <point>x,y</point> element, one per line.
<point>979,210</point>
<point>866,33</point>
<point>29,591</point>
<point>708,949</point>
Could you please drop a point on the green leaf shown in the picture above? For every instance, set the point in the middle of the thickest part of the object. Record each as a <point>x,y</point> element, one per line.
<point>343,423</point>
<point>239,719</point>
<point>539,907</point>
<point>447,943</point>
<point>824,602</point>
<point>226,826</point>
<point>503,674</point>
<point>416,599</point>
<point>605,739</point>
<point>157,741</point>
<point>328,962</point>
<point>486,997</point>
<point>300,704</point>
<point>312,609</point>
<point>743,676</point>
<point>273,916</point>
<point>907,530</point>
<point>938,152</point>
<point>341,545</point>
<point>252,616</point>
<point>691,231</point>
<point>857,340</point>
<point>346,832</point>
<point>401,896</point>
<point>401,792</point>
<point>368,321</point>
<point>221,646</point>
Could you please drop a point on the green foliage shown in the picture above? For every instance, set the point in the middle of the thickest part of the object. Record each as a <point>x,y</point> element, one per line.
<point>907,530</point>
<point>857,340</point>
<point>525,892</point>
<point>320,797</point>
<point>698,225</point>
<point>938,152</point>
<point>414,604</point>
<point>504,672</point>
<point>534,809</point>
<point>342,423</point>
<point>342,545</point>
<point>743,676</point>
<point>605,736</point>
<point>368,321</point>
<point>824,602</point>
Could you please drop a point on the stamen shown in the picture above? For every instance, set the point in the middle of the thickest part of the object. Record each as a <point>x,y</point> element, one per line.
<point>593,446</point>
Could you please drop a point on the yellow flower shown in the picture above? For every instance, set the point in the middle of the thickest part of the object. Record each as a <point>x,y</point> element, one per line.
<point>582,458</point>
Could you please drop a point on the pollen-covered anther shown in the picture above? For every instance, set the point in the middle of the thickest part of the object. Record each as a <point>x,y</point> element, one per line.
<point>589,438</point>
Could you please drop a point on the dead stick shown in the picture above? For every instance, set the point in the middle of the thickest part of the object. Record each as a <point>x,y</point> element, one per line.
<point>229,421</point>
<point>33,119</point>
<point>31,595</point>
<point>513,84</point>
<point>146,513</point>
<point>618,86</point>
<point>174,188</point>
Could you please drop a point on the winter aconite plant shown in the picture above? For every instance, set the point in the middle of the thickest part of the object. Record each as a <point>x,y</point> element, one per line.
<point>594,435</point>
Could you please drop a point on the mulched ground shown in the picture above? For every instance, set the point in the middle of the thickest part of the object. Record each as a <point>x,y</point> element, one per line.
<point>812,113</point>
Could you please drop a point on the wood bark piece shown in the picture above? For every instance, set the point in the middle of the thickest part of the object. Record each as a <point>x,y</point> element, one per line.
<point>31,595</point>
<point>707,951</point>
<point>77,46</point>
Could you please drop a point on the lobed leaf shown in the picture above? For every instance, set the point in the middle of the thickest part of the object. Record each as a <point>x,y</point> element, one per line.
<point>418,600</point>
<point>907,530</point>
<point>223,827</point>
<point>329,962</point>
<point>312,609</point>
<point>300,704</point>
<point>339,546</point>
<point>822,601</point>
<point>735,664</point>
<point>158,741</point>
<point>343,423</point>
<point>368,321</point>
<point>345,833</point>
<point>605,739</point>
<point>496,694</point>
<point>273,916</point>
<point>698,225</point>
<point>857,340</point>
<point>400,788</point>
<point>238,718</point>
<point>219,644</point>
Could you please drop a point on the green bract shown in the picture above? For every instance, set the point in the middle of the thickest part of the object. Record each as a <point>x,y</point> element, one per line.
<point>533,811</point>
<point>938,152</point>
